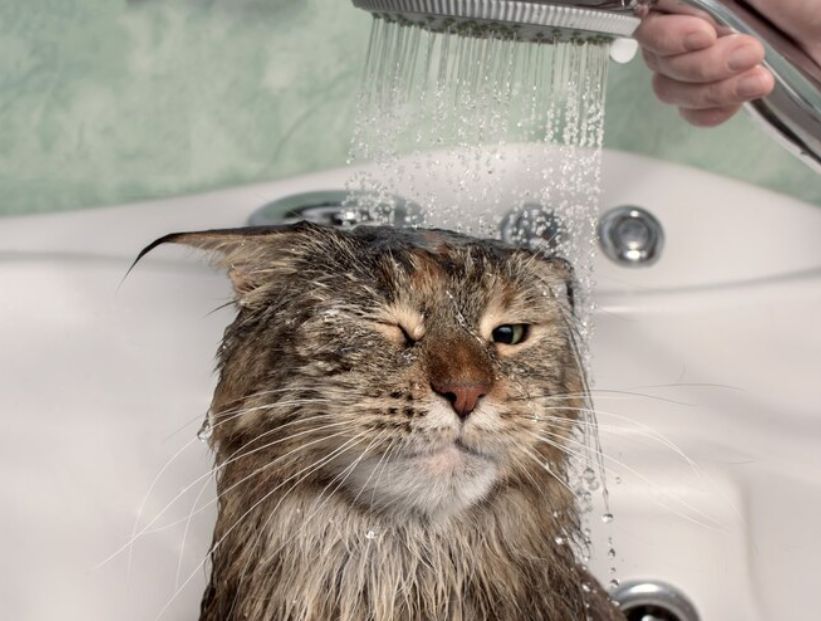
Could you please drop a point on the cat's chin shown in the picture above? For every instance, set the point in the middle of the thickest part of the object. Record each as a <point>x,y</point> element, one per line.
<point>436,484</point>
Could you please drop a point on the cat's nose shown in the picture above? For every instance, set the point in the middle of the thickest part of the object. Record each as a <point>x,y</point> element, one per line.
<point>463,396</point>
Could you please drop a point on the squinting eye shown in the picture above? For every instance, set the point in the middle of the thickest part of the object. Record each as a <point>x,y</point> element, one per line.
<point>511,334</point>
<point>406,335</point>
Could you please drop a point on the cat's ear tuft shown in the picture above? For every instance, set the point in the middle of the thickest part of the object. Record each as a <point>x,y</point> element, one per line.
<point>250,256</point>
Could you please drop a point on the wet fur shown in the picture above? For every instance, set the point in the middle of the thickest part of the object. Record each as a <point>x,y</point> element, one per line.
<point>348,489</point>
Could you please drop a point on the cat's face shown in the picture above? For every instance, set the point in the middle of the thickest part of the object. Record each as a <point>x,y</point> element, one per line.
<point>411,371</point>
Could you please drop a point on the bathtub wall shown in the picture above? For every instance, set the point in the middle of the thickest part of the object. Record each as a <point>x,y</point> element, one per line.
<point>106,101</point>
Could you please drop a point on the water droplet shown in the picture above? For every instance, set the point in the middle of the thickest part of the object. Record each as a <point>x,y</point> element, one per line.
<point>607,518</point>
<point>206,430</point>
<point>613,584</point>
<point>559,540</point>
<point>611,553</point>
<point>371,534</point>
<point>589,474</point>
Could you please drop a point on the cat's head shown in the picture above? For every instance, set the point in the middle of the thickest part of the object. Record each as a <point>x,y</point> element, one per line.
<point>412,371</point>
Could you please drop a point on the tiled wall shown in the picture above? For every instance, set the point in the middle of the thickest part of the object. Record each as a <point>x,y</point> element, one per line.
<point>107,101</point>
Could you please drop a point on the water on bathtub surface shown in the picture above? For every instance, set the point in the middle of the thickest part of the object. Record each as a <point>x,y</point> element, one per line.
<point>451,122</point>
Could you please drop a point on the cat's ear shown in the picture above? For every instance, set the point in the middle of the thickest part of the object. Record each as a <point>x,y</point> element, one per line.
<point>559,274</point>
<point>564,269</point>
<point>249,255</point>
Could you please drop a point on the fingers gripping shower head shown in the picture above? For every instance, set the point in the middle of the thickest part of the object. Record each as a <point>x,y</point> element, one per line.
<point>526,20</point>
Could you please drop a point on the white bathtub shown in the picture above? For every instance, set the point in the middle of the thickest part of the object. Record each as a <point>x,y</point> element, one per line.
<point>717,348</point>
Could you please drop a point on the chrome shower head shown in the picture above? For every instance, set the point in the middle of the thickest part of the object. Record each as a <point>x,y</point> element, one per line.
<point>528,20</point>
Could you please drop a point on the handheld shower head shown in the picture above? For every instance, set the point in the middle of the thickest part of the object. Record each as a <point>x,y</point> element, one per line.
<point>528,20</point>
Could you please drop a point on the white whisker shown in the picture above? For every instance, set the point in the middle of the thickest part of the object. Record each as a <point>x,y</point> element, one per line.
<point>311,468</point>
<point>710,523</point>
<point>208,474</point>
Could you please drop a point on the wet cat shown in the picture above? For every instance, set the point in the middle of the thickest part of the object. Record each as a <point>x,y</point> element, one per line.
<point>390,429</point>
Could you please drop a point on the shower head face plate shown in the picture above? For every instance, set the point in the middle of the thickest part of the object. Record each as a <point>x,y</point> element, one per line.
<point>523,20</point>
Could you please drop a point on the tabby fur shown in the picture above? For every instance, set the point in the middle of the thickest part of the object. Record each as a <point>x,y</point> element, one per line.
<point>349,488</point>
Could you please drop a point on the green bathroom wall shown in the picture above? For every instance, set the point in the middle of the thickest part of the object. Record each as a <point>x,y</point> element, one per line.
<point>106,101</point>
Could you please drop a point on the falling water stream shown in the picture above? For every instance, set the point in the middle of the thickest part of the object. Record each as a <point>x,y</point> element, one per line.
<point>452,122</point>
<point>460,126</point>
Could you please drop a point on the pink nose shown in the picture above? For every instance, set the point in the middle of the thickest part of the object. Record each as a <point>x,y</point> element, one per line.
<point>463,397</point>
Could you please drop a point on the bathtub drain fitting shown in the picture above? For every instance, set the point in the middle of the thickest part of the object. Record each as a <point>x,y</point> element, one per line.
<point>653,601</point>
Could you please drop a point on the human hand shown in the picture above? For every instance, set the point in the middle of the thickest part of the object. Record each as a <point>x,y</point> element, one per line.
<point>706,75</point>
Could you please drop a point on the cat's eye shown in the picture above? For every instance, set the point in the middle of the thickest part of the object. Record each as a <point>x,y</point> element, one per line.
<point>511,333</point>
<point>406,335</point>
<point>400,324</point>
<point>399,334</point>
